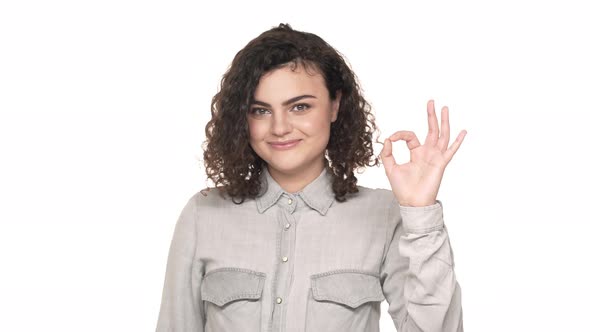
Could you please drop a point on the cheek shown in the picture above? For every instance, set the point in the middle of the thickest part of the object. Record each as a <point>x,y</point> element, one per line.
<point>316,127</point>
<point>256,130</point>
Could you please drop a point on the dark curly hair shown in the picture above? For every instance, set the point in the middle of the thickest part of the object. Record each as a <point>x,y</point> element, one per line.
<point>230,161</point>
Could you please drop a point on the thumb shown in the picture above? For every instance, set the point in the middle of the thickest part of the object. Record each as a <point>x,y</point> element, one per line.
<point>387,154</point>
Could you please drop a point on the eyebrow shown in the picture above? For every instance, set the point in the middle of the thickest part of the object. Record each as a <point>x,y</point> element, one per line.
<point>285,103</point>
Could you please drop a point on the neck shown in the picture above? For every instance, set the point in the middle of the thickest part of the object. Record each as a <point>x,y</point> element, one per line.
<point>296,181</point>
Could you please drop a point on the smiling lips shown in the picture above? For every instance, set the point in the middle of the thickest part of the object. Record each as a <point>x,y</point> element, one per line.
<point>284,145</point>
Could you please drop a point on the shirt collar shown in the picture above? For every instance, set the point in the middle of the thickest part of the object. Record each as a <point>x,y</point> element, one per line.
<point>317,194</point>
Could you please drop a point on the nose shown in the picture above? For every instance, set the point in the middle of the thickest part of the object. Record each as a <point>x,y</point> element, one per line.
<point>281,124</point>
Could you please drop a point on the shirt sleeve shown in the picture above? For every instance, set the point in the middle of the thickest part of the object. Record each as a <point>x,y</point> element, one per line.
<point>417,274</point>
<point>181,307</point>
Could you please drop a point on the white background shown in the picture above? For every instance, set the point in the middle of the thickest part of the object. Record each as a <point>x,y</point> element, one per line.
<point>102,112</point>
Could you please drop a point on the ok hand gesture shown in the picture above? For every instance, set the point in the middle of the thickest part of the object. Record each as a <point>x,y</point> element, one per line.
<point>416,182</point>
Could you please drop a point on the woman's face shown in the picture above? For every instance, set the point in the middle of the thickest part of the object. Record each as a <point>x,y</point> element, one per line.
<point>289,121</point>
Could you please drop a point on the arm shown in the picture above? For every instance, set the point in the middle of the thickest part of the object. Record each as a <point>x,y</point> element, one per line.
<point>181,308</point>
<point>417,274</point>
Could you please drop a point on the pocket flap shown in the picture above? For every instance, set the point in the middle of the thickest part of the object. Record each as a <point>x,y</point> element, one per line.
<point>351,288</point>
<point>223,285</point>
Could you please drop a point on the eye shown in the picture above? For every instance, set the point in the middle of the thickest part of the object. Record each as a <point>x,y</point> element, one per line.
<point>259,111</point>
<point>301,107</point>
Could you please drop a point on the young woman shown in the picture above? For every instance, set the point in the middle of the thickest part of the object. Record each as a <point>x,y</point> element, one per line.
<point>287,241</point>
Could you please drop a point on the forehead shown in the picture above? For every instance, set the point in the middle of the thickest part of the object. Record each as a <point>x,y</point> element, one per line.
<point>287,81</point>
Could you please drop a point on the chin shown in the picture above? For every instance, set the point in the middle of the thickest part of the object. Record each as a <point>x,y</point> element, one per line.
<point>286,168</point>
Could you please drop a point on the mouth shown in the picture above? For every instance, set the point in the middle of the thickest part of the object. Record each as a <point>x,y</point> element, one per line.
<point>284,145</point>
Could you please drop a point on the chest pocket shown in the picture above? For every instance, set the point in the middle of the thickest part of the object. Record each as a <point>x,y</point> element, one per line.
<point>232,299</point>
<point>344,300</point>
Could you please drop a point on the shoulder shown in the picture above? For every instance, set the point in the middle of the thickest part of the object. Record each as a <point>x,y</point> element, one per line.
<point>211,198</point>
<point>378,201</point>
<point>375,195</point>
<point>208,197</point>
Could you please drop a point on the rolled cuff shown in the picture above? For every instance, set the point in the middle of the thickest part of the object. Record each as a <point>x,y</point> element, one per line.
<point>422,219</point>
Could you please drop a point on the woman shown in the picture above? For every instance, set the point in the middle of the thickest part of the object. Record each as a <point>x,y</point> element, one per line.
<point>287,241</point>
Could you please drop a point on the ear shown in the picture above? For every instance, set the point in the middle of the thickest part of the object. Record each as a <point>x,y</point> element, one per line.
<point>336,106</point>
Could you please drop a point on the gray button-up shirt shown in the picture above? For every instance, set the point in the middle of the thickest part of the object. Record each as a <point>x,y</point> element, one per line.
<point>306,262</point>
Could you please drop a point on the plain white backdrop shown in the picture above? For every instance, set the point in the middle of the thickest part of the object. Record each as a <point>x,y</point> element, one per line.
<point>102,112</point>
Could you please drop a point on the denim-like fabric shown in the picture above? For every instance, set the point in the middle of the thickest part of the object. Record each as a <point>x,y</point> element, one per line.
<point>305,262</point>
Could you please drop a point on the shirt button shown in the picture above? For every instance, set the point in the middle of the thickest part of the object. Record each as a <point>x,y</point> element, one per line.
<point>287,226</point>
<point>290,201</point>
<point>279,300</point>
<point>285,258</point>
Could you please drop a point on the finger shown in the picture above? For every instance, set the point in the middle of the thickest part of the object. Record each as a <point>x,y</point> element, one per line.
<point>432,136</point>
<point>387,154</point>
<point>455,146</point>
<point>408,136</point>
<point>443,141</point>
